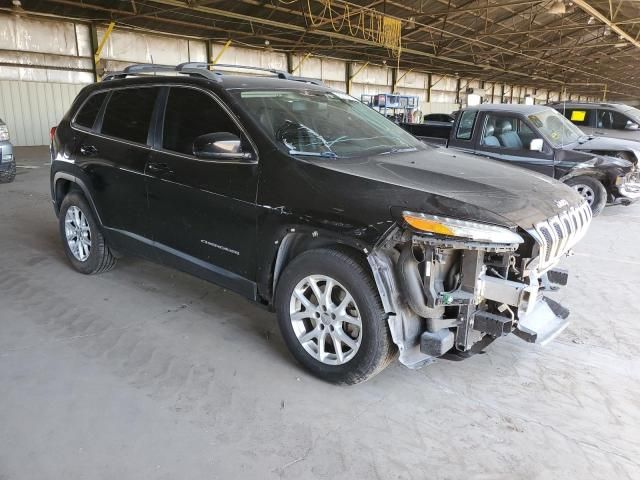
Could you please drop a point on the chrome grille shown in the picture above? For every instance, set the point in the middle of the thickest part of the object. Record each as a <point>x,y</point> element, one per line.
<point>557,235</point>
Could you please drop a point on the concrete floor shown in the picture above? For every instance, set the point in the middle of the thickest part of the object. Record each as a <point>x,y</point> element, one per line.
<point>144,372</point>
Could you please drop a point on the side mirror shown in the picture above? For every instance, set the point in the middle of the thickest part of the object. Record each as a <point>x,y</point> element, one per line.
<point>220,146</point>
<point>536,145</point>
<point>631,125</point>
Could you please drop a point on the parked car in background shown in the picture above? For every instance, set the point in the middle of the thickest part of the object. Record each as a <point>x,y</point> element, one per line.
<point>540,138</point>
<point>367,243</point>
<point>610,119</point>
<point>439,117</point>
<point>7,160</point>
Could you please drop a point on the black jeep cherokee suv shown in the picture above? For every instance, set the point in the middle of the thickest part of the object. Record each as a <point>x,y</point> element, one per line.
<point>365,241</point>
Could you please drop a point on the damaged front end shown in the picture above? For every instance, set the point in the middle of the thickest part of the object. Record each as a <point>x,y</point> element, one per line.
<point>444,293</point>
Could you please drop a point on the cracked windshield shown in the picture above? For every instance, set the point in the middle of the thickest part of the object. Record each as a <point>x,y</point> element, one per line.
<point>326,124</point>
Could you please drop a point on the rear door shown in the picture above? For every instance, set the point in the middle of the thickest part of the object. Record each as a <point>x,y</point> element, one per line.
<point>114,153</point>
<point>507,138</point>
<point>203,210</point>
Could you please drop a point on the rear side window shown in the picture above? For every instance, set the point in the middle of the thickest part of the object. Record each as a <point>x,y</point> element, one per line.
<point>128,114</point>
<point>579,116</point>
<point>190,114</point>
<point>465,127</point>
<point>86,117</point>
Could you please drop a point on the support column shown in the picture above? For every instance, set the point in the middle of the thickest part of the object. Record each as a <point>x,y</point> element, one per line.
<point>289,62</point>
<point>394,79</point>
<point>347,76</point>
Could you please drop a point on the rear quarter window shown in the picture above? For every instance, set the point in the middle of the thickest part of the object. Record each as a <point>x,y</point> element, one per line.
<point>465,127</point>
<point>87,114</point>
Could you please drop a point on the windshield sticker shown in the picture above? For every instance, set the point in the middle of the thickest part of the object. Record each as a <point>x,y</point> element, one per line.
<point>578,115</point>
<point>536,121</point>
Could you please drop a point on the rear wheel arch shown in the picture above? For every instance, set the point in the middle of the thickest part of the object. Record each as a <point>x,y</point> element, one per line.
<point>64,183</point>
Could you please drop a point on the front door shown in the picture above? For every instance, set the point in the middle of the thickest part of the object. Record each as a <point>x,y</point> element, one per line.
<point>202,210</point>
<point>616,124</point>
<point>508,138</point>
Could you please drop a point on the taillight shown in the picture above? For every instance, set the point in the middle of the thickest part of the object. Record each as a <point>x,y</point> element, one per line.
<point>52,133</point>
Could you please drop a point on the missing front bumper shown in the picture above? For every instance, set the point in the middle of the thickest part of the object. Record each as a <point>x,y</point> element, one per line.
<point>543,323</point>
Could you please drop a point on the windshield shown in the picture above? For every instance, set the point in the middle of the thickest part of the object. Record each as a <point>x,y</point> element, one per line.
<point>325,123</point>
<point>555,128</point>
<point>634,113</point>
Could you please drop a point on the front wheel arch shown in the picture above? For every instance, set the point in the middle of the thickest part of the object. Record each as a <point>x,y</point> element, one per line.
<point>294,244</point>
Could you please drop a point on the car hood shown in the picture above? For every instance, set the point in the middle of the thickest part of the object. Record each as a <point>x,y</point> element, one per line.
<point>446,182</point>
<point>604,143</point>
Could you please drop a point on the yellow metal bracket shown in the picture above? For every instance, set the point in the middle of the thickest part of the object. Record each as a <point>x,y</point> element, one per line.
<point>304,59</point>
<point>395,85</point>
<point>355,75</point>
<point>105,37</point>
<point>221,52</point>
<point>359,70</point>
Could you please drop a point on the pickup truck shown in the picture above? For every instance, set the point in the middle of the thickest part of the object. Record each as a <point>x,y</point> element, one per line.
<point>541,139</point>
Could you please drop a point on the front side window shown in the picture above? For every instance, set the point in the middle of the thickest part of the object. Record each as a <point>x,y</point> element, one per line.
<point>503,131</point>
<point>128,114</point>
<point>611,119</point>
<point>86,117</point>
<point>191,114</point>
<point>465,127</point>
<point>324,123</point>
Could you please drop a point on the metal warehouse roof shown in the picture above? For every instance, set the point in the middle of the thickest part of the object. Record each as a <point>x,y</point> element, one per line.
<point>547,43</point>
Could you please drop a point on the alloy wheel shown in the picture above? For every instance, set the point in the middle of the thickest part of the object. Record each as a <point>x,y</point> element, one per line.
<point>326,319</point>
<point>78,233</point>
<point>586,192</point>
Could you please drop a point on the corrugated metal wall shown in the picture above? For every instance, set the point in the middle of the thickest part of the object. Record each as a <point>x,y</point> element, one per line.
<point>30,109</point>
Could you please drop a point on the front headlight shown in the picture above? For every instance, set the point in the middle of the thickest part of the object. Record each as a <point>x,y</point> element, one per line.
<point>451,227</point>
<point>4,133</point>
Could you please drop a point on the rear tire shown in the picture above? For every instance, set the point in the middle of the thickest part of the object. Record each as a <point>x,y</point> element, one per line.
<point>592,190</point>
<point>349,320</point>
<point>83,241</point>
<point>8,176</point>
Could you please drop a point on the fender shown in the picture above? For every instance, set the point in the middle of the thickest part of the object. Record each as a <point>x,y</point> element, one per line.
<point>83,186</point>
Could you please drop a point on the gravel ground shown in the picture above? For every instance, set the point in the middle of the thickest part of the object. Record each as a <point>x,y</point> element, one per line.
<point>145,372</point>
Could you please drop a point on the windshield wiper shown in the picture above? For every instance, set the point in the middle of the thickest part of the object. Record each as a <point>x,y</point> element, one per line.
<point>313,154</point>
<point>399,150</point>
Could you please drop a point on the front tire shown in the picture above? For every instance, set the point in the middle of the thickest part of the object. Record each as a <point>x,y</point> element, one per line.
<point>9,175</point>
<point>331,317</point>
<point>83,241</point>
<point>592,190</point>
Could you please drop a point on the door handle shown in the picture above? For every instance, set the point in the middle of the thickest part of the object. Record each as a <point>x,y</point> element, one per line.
<point>88,150</point>
<point>159,168</point>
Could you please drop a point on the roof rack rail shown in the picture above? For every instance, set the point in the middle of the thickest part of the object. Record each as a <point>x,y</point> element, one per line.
<point>200,69</point>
